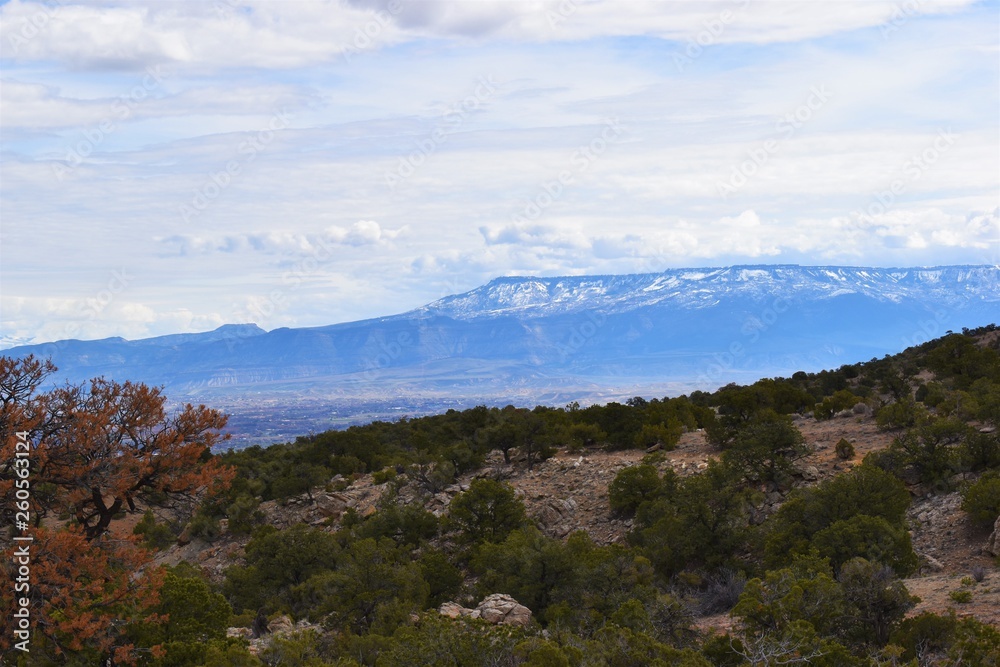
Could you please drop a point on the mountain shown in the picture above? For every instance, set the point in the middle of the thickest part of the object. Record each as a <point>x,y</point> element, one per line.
<point>528,339</point>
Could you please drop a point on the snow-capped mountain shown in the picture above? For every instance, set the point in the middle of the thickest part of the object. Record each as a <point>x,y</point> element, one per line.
<point>705,288</point>
<point>529,339</point>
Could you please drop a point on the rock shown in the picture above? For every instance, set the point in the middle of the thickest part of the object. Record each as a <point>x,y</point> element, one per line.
<point>454,610</point>
<point>502,609</point>
<point>810,473</point>
<point>242,633</point>
<point>331,504</point>
<point>281,624</point>
<point>932,563</point>
<point>993,544</point>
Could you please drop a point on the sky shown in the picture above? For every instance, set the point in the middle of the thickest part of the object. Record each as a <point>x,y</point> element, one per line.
<point>172,166</point>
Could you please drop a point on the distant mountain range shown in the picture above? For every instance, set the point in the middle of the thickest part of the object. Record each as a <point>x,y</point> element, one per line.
<point>528,339</point>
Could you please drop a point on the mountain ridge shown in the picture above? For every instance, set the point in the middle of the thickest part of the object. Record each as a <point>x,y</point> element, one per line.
<point>528,339</point>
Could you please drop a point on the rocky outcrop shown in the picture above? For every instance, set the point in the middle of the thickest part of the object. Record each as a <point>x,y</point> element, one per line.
<point>281,625</point>
<point>323,507</point>
<point>501,609</point>
<point>498,609</point>
<point>555,516</point>
<point>993,543</point>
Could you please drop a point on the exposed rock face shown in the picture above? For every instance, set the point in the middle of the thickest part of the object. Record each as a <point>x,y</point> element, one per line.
<point>498,609</point>
<point>993,544</point>
<point>282,624</point>
<point>556,516</point>
<point>455,610</point>
<point>503,609</point>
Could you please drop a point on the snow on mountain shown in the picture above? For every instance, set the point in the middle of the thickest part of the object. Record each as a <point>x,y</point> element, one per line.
<point>691,289</point>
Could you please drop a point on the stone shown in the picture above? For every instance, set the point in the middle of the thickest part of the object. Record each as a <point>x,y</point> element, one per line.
<point>932,563</point>
<point>241,633</point>
<point>993,543</point>
<point>810,473</point>
<point>281,624</point>
<point>502,609</point>
<point>454,610</point>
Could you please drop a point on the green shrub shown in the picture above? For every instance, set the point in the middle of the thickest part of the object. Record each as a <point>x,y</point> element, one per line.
<point>982,499</point>
<point>633,486</point>
<point>488,512</point>
<point>901,414</point>
<point>868,537</point>
<point>155,535</point>
<point>845,449</point>
<point>961,596</point>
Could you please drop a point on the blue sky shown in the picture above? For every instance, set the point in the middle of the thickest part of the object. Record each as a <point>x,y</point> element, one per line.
<point>172,166</point>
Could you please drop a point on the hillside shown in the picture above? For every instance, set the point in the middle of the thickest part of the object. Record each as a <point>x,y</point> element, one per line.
<point>845,517</point>
<point>568,492</point>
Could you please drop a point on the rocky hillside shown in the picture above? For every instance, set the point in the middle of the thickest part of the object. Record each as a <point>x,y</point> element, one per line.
<point>569,492</point>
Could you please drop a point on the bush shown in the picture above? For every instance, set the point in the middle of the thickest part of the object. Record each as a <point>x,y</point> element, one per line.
<point>488,512</point>
<point>845,449</point>
<point>204,526</point>
<point>633,486</point>
<point>864,491</point>
<point>982,499</point>
<point>872,538</point>
<point>831,405</point>
<point>659,434</point>
<point>901,414</point>
<point>722,591</point>
<point>154,535</point>
<point>961,596</point>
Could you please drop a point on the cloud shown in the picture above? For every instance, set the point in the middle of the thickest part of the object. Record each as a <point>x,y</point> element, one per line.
<point>281,242</point>
<point>367,85</point>
<point>546,235</point>
<point>230,34</point>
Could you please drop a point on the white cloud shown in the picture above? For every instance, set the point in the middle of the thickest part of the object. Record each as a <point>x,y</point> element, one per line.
<point>262,33</point>
<point>281,242</point>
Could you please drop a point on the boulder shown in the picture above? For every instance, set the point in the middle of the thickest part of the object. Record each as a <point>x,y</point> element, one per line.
<point>502,609</point>
<point>993,544</point>
<point>454,610</point>
<point>810,473</point>
<point>281,624</point>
